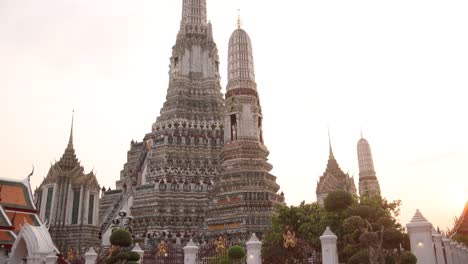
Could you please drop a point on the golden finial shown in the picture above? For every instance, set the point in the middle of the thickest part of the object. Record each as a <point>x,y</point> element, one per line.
<point>239,22</point>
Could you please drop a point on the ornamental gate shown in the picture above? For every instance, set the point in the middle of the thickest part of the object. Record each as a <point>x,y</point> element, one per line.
<point>164,253</point>
<point>215,251</point>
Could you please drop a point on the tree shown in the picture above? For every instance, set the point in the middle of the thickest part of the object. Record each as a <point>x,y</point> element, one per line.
<point>365,226</point>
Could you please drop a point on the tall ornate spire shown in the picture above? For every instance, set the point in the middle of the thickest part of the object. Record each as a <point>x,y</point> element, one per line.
<point>241,72</point>
<point>368,182</point>
<point>246,191</point>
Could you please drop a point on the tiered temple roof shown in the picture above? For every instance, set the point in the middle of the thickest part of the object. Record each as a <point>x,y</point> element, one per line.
<point>16,208</point>
<point>333,179</point>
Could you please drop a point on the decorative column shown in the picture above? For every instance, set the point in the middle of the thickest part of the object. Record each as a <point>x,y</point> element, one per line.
<point>51,259</point>
<point>90,256</point>
<point>329,250</point>
<point>254,250</point>
<point>437,238</point>
<point>138,250</point>
<point>190,253</point>
<point>420,233</point>
<point>448,250</point>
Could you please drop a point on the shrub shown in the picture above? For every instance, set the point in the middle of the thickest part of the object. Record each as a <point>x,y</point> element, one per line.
<point>362,257</point>
<point>408,258</point>
<point>338,201</point>
<point>133,256</point>
<point>236,252</point>
<point>121,238</point>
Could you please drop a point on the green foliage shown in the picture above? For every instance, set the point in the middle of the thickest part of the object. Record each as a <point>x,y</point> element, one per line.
<point>132,262</point>
<point>236,252</point>
<point>122,256</point>
<point>121,238</point>
<point>338,200</point>
<point>362,257</point>
<point>390,259</point>
<point>408,258</point>
<point>133,256</point>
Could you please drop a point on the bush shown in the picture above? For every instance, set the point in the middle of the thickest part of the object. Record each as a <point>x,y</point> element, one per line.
<point>121,238</point>
<point>338,201</point>
<point>236,252</point>
<point>362,257</point>
<point>133,256</point>
<point>132,262</point>
<point>408,258</point>
<point>122,256</point>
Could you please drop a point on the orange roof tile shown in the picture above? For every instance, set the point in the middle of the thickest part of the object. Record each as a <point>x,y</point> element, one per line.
<point>18,218</point>
<point>15,194</point>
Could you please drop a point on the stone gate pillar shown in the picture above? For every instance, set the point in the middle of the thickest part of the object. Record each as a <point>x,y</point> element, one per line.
<point>90,256</point>
<point>420,233</point>
<point>254,250</point>
<point>448,250</point>
<point>140,252</point>
<point>437,238</point>
<point>190,253</point>
<point>329,250</point>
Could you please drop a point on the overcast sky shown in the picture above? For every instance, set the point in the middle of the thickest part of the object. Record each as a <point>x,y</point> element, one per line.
<point>395,69</point>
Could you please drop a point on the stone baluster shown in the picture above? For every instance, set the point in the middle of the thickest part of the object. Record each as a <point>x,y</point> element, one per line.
<point>329,250</point>
<point>465,254</point>
<point>254,250</point>
<point>448,250</point>
<point>420,233</point>
<point>459,254</point>
<point>90,256</point>
<point>453,247</point>
<point>437,238</point>
<point>51,258</point>
<point>140,252</point>
<point>190,253</point>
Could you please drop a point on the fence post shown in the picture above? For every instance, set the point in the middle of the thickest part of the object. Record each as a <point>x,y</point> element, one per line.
<point>138,250</point>
<point>90,256</point>
<point>329,250</point>
<point>51,259</point>
<point>420,233</point>
<point>438,247</point>
<point>190,253</point>
<point>448,250</point>
<point>254,250</point>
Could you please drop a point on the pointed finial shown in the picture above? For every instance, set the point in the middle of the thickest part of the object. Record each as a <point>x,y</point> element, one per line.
<point>329,142</point>
<point>239,22</point>
<point>362,134</point>
<point>70,141</point>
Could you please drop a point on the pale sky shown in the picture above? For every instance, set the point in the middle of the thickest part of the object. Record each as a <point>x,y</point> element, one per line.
<point>395,69</point>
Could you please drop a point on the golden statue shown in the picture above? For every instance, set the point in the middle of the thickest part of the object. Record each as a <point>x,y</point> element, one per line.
<point>289,237</point>
<point>162,249</point>
<point>220,244</point>
<point>70,255</point>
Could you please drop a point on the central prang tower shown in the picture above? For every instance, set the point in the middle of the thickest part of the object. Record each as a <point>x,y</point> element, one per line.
<point>246,192</point>
<point>183,150</point>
